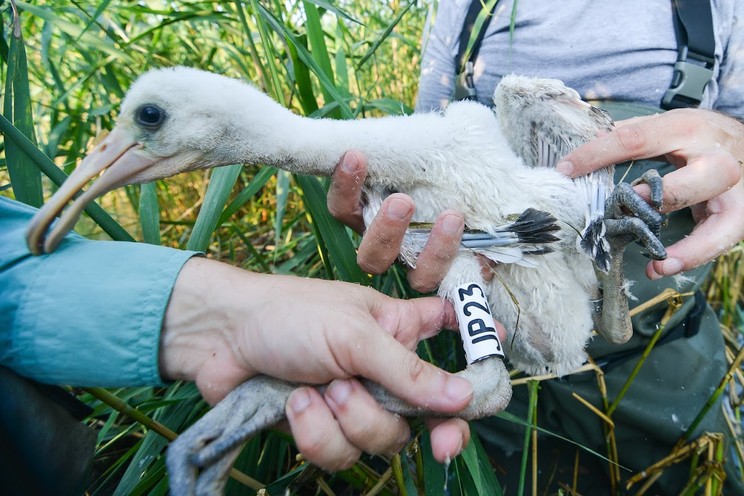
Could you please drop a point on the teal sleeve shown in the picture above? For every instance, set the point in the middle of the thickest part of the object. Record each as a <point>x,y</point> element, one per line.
<point>88,314</point>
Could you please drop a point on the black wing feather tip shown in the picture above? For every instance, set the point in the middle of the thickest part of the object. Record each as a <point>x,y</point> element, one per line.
<point>594,244</point>
<point>535,226</point>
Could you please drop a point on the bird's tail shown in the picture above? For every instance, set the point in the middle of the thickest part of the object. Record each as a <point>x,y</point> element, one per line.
<point>593,242</point>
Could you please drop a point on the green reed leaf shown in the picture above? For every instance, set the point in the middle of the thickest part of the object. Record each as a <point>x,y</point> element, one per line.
<point>221,183</point>
<point>25,178</point>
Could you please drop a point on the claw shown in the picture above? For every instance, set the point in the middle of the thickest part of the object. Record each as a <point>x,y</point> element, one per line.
<point>623,231</point>
<point>654,181</point>
<point>643,223</point>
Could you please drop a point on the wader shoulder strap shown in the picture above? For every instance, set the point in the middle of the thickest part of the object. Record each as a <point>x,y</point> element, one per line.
<point>696,45</point>
<point>465,60</point>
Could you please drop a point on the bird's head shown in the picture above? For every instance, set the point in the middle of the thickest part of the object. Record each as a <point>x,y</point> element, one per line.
<point>516,94</point>
<point>525,105</point>
<point>171,121</point>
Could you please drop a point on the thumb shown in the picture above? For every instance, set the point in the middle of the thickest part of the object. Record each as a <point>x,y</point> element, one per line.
<point>387,360</point>
<point>412,379</point>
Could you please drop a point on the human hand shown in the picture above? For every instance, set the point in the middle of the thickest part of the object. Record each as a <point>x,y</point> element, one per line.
<point>224,325</point>
<point>381,242</point>
<point>707,148</point>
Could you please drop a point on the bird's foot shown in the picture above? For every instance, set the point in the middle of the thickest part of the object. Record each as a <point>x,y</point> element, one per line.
<point>200,459</point>
<point>491,388</point>
<point>629,218</point>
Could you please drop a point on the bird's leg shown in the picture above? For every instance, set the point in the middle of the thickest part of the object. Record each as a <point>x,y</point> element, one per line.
<point>611,308</point>
<point>199,459</point>
<point>642,225</point>
<point>491,392</point>
<point>463,285</point>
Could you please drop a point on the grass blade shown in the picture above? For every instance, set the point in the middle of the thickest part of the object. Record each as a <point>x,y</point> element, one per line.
<point>475,461</point>
<point>333,234</point>
<point>258,182</point>
<point>307,58</point>
<point>335,9</point>
<point>76,31</point>
<point>25,178</point>
<point>533,386</point>
<point>434,473</point>
<point>385,34</point>
<point>149,213</point>
<point>220,185</point>
<point>282,193</point>
<point>303,84</point>
<point>319,51</point>
<point>275,87</point>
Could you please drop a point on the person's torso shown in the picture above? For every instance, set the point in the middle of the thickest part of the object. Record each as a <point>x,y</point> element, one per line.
<point>621,51</point>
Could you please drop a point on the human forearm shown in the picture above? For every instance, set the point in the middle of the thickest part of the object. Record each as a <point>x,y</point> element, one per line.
<point>89,314</point>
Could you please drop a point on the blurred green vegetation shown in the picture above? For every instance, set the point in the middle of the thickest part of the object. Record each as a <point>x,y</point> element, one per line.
<point>66,67</point>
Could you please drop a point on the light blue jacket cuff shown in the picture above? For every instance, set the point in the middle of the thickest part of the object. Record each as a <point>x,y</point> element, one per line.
<point>89,314</point>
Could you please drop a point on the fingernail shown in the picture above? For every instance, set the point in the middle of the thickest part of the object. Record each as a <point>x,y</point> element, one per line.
<point>451,224</point>
<point>350,164</point>
<point>457,451</point>
<point>671,266</point>
<point>564,167</point>
<point>653,275</point>
<point>458,389</point>
<point>339,391</point>
<point>299,400</point>
<point>398,209</point>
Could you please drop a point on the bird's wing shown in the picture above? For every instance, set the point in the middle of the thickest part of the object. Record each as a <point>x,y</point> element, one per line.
<point>555,125</point>
<point>518,242</point>
<point>550,141</point>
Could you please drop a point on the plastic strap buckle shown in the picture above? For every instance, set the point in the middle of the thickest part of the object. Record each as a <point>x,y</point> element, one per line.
<point>465,84</point>
<point>688,85</point>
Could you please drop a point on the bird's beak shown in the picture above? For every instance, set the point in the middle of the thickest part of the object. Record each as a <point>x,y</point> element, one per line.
<point>116,159</point>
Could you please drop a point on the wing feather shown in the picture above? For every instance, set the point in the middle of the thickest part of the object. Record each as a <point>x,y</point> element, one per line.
<point>544,121</point>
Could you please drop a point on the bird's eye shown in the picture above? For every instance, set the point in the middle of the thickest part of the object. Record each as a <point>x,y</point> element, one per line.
<point>150,116</point>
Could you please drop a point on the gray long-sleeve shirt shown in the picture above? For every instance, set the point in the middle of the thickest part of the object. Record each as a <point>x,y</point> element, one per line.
<point>605,49</point>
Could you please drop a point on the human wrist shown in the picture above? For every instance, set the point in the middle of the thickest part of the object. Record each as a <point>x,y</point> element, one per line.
<point>200,319</point>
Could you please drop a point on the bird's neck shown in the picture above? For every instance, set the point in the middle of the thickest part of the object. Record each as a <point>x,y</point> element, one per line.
<point>310,146</point>
<point>315,146</point>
